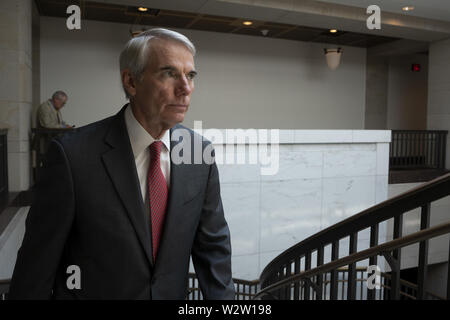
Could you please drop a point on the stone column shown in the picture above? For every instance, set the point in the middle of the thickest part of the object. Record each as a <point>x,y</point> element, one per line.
<point>438,113</point>
<point>16,87</point>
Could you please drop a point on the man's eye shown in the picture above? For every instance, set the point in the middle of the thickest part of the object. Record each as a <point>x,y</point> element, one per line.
<point>191,76</point>
<point>169,73</point>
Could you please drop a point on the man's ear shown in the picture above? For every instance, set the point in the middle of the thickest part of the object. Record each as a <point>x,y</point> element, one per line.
<point>128,82</point>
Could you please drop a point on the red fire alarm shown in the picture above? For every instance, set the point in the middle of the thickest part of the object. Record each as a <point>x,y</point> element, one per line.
<point>415,67</point>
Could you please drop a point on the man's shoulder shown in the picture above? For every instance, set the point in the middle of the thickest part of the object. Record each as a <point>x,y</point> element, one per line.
<point>45,106</point>
<point>179,130</point>
<point>97,125</point>
<point>89,134</point>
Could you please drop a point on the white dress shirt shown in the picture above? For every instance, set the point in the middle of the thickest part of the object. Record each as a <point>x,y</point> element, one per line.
<point>140,141</point>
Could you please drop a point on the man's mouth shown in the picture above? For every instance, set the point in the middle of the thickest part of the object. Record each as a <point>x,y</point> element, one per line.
<point>181,106</point>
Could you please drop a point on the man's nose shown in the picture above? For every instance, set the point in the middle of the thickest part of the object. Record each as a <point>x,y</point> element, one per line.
<point>184,86</point>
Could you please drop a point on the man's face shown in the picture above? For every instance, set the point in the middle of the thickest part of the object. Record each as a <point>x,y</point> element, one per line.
<point>164,93</point>
<point>59,102</point>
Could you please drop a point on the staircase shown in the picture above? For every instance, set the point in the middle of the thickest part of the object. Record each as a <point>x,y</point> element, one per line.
<point>300,272</point>
<point>290,276</point>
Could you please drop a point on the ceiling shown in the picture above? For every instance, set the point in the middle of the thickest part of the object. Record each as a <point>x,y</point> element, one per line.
<point>194,17</point>
<point>430,9</point>
<point>304,20</point>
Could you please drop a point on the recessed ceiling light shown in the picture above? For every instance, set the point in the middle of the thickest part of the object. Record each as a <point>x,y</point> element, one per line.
<point>333,30</point>
<point>142,9</point>
<point>247,23</point>
<point>408,8</point>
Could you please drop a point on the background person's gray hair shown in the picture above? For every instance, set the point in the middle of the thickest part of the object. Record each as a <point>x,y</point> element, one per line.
<point>59,95</point>
<point>134,56</point>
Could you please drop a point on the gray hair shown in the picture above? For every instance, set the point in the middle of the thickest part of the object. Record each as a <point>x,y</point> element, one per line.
<point>135,55</point>
<point>59,95</point>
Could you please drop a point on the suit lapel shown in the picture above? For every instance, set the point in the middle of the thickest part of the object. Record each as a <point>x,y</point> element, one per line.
<point>119,162</point>
<point>178,183</point>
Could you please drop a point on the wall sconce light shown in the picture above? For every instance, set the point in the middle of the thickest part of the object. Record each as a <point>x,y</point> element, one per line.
<point>333,57</point>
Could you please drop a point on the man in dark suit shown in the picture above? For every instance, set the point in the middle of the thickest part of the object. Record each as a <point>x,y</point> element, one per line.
<point>114,216</point>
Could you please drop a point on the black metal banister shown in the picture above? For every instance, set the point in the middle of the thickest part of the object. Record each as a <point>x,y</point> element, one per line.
<point>423,252</point>
<point>319,278</point>
<point>418,149</point>
<point>334,274</point>
<point>394,260</point>
<point>351,282</point>
<point>373,260</point>
<point>425,193</point>
<point>422,235</point>
<point>307,267</point>
<point>244,289</point>
<point>296,284</point>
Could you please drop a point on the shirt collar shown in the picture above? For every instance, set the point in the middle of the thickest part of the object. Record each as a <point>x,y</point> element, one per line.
<point>139,137</point>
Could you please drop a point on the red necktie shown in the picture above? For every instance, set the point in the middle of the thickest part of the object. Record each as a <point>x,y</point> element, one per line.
<point>157,188</point>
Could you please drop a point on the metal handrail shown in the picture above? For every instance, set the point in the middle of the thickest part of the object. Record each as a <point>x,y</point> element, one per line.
<point>404,283</point>
<point>240,288</point>
<point>438,230</point>
<point>421,131</point>
<point>391,208</point>
<point>4,285</point>
<point>418,149</point>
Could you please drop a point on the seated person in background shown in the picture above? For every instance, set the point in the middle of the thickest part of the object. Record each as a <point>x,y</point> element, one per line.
<point>47,116</point>
<point>48,113</point>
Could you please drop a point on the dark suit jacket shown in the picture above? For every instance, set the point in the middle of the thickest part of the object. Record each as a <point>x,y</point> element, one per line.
<point>88,211</point>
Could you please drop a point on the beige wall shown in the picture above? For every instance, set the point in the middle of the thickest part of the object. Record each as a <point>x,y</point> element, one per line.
<point>407,93</point>
<point>377,72</point>
<point>438,115</point>
<point>243,81</point>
